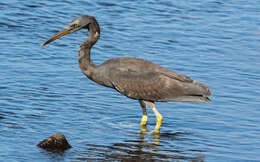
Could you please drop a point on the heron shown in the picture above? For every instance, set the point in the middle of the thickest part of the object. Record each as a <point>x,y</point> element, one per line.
<point>135,78</point>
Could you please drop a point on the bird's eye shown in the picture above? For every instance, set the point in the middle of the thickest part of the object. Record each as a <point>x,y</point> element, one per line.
<point>75,25</point>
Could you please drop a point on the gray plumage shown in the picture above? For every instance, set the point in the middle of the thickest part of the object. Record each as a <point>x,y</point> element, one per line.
<point>135,78</point>
<point>142,80</point>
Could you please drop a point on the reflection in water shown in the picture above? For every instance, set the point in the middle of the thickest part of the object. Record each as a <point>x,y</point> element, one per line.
<point>140,149</point>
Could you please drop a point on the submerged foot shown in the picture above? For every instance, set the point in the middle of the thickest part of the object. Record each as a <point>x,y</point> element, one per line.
<point>159,119</point>
<point>144,120</point>
<point>143,123</point>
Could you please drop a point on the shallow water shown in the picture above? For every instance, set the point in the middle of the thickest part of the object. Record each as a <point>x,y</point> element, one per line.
<point>43,91</point>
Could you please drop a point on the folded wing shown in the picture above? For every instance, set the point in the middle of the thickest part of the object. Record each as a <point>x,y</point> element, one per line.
<point>158,85</point>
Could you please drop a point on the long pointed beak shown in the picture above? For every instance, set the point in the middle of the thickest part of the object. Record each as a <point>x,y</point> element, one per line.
<point>56,36</point>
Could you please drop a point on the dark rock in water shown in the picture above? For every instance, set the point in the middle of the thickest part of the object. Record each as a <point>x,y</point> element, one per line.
<point>55,143</point>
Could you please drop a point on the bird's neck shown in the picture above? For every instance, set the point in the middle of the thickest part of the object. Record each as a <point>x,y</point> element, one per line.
<point>84,57</point>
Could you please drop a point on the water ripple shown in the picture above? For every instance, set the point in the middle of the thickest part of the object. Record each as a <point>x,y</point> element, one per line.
<point>43,91</point>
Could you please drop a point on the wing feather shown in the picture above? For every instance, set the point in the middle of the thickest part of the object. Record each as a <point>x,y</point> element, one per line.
<point>140,79</point>
<point>151,86</point>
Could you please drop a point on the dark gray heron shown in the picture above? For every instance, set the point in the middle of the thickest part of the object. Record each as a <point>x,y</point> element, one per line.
<point>133,77</point>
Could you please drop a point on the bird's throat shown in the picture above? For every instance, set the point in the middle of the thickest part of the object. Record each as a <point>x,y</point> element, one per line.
<point>84,56</point>
<point>85,63</point>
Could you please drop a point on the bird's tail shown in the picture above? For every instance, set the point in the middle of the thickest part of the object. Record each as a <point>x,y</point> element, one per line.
<point>195,92</point>
<point>188,98</point>
<point>204,90</point>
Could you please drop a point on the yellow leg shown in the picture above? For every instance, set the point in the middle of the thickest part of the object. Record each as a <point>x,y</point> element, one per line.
<point>159,117</point>
<point>144,117</point>
<point>143,128</point>
<point>144,120</point>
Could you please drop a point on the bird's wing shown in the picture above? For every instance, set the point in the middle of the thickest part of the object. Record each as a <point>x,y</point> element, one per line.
<point>139,65</point>
<point>174,75</point>
<point>151,86</point>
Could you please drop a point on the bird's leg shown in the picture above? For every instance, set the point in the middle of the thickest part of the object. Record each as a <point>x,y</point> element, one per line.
<point>144,116</point>
<point>159,117</point>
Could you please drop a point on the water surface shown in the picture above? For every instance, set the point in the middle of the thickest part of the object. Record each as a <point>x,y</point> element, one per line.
<point>43,91</point>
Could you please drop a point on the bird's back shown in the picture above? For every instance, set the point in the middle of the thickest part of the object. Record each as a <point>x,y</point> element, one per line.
<point>140,79</point>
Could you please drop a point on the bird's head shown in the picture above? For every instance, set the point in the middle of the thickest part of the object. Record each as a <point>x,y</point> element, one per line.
<point>76,24</point>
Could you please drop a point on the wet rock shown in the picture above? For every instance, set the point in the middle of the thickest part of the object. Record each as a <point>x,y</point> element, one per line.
<point>55,143</point>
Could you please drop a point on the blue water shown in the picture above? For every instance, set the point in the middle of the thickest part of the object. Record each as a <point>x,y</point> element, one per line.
<point>43,91</point>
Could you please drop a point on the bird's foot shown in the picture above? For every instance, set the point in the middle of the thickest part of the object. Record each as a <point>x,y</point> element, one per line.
<point>159,119</point>
<point>143,123</point>
<point>143,129</point>
<point>144,120</point>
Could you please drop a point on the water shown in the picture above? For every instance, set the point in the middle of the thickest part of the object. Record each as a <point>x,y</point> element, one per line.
<point>43,91</point>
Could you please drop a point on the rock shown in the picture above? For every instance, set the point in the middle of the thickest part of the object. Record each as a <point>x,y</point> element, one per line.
<point>55,143</point>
